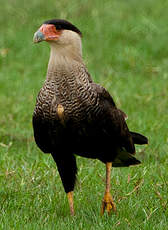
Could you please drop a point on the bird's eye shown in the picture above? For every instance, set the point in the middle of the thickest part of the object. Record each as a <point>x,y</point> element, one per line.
<point>58,27</point>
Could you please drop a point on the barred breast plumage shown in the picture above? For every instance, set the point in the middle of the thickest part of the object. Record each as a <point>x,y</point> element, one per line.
<point>73,90</point>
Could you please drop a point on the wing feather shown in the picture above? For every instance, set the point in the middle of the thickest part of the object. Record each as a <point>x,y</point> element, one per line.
<point>112,120</point>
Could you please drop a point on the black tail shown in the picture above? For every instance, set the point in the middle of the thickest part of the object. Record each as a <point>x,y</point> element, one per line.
<point>139,138</point>
<point>124,159</point>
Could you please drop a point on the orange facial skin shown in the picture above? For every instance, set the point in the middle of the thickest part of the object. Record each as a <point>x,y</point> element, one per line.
<point>49,31</point>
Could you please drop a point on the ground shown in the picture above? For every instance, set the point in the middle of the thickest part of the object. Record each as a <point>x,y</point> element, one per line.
<point>125,49</point>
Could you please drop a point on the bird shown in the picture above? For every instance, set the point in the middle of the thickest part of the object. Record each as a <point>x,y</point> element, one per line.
<point>74,116</point>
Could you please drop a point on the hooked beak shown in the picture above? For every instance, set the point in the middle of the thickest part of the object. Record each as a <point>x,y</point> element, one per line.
<point>47,32</point>
<point>38,37</point>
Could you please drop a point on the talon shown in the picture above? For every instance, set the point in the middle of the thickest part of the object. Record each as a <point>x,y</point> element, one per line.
<point>108,204</point>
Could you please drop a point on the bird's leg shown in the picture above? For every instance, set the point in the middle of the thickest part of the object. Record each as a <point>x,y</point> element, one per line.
<point>71,205</point>
<point>108,202</point>
<point>67,169</point>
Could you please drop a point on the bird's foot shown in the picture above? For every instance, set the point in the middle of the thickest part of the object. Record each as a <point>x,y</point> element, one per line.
<point>108,204</point>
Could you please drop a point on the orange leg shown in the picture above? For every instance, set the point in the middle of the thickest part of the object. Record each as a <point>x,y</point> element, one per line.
<point>108,202</point>
<point>71,205</point>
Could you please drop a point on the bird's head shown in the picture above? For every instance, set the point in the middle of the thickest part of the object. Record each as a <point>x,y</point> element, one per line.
<point>61,34</point>
<point>57,30</point>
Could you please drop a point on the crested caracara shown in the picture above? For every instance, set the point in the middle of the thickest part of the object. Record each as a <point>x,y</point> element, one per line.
<point>75,116</point>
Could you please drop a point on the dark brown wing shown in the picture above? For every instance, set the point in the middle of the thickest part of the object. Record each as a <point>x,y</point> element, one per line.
<point>112,120</point>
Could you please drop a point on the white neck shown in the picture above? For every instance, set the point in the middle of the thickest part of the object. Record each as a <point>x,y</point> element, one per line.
<point>66,52</point>
<point>61,57</point>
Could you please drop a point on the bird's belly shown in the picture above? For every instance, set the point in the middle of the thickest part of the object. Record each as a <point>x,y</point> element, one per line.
<point>49,134</point>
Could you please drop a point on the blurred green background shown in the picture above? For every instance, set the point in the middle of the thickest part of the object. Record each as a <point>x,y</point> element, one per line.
<point>125,48</point>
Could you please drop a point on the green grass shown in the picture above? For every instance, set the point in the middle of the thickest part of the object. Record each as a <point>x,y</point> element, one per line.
<point>125,46</point>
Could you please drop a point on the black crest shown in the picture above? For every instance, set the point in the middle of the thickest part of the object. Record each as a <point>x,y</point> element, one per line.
<point>62,24</point>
